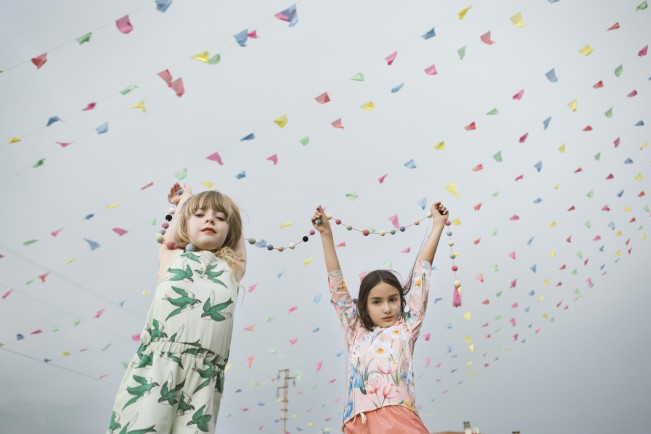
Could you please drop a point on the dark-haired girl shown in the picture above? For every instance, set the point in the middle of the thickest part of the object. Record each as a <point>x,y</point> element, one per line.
<point>380,331</point>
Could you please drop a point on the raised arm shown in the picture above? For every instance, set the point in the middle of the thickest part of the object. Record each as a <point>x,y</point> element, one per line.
<point>240,250</point>
<point>165,255</point>
<point>328,243</point>
<point>440,215</point>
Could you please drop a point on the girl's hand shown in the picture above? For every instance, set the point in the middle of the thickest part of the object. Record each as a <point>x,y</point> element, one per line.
<point>439,213</point>
<point>324,224</point>
<point>173,196</point>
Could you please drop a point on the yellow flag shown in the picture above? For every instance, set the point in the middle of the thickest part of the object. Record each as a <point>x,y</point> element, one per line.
<point>456,221</point>
<point>467,339</point>
<point>307,261</point>
<point>202,57</point>
<point>114,204</point>
<point>228,367</point>
<point>140,105</point>
<point>467,316</point>
<point>286,225</point>
<point>208,184</point>
<point>627,209</point>
<point>471,348</point>
<point>462,13</point>
<point>552,224</point>
<point>14,140</point>
<point>368,106</point>
<point>644,145</point>
<point>517,20</point>
<point>281,121</point>
<point>572,105</point>
<point>64,353</point>
<point>145,292</point>
<point>562,148</point>
<point>440,146</point>
<point>586,51</point>
<point>618,253</point>
<point>639,176</point>
<point>452,188</point>
<point>69,261</point>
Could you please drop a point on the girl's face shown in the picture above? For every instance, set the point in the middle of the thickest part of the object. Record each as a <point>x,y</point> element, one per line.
<point>384,305</point>
<point>207,229</point>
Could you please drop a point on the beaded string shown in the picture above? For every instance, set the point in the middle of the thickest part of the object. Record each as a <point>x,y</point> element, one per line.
<point>456,298</point>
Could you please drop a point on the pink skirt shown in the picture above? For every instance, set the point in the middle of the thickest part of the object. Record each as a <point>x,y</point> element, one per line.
<point>393,419</point>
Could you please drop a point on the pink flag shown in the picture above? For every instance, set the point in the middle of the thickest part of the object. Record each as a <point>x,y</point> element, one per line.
<point>518,96</point>
<point>337,124</point>
<point>394,220</point>
<point>381,178</point>
<point>39,61</point>
<point>643,51</point>
<point>166,76</point>
<point>391,57</point>
<point>486,38</point>
<point>124,25</point>
<point>273,158</point>
<point>215,157</point>
<point>323,98</point>
<point>431,70</point>
<point>119,231</point>
<point>90,106</point>
<point>177,86</point>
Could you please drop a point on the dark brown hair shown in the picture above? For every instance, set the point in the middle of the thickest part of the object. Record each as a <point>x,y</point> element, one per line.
<point>369,282</point>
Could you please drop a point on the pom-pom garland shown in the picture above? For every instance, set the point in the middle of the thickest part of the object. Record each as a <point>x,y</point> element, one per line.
<point>456,299</point>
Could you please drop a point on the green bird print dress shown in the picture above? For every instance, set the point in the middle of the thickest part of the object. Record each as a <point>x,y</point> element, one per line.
<point>175,381</point>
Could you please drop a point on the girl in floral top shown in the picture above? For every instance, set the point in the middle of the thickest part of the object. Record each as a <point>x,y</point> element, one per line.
<point>380,331</point>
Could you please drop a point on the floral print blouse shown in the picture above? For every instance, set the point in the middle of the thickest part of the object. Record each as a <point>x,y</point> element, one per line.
<point>380,368</point>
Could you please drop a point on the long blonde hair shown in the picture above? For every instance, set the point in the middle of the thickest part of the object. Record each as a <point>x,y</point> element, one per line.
<point>217,202</point>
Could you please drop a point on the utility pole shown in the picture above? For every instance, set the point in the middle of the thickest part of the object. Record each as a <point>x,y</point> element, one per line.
<point>285,388</point>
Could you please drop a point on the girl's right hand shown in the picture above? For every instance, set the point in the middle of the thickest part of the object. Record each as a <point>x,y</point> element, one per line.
<point>173,196</point>
<point>324,225</point>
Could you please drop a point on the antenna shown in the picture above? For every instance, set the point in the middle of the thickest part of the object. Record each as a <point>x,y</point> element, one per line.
<point>285,389</point>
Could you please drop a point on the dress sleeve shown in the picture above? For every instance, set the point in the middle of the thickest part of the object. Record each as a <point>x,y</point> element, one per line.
<point>343,303</point>
<point>417,297</point>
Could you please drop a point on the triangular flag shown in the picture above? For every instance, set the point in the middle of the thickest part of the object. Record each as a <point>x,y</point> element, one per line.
<point>273,158</point>
<point>242,37</point>
<point>124,24</point>
<point>517,20</point>
<point>358,77</point>
<point>177,86</point>
<point>337,124</point>
<point>202,57</point>
<point>391,57</point>
<point>586,51</point>
<point>215,157</point>
<point>39,61</point>
<point>140,105</point>
<point>281,121</point>
<point>452,188</point>
<point>431,70</point>
<point>323,98</point>
<point>368,106</point>
<point>486,38</point>
<point>463,12</point>
<point>84,38</point>
<point>166,76</point>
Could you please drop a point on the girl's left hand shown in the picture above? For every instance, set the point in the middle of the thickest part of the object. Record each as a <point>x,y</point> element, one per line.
<point>439,212</point>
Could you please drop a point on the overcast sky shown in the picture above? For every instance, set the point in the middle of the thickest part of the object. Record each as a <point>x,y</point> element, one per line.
<point>533,135</point>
